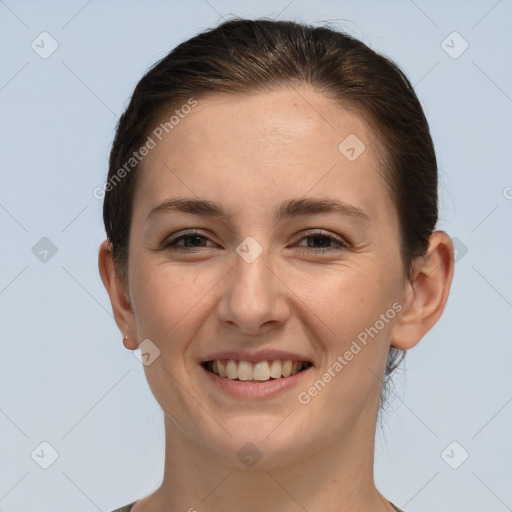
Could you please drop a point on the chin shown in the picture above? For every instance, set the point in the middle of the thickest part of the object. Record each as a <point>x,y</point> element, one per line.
<point>257,442</point>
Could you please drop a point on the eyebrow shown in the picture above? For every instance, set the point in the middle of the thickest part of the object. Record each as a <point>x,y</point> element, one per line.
<point>286,209</point>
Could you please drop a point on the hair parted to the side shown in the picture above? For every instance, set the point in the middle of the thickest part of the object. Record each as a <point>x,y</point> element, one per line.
<point>244,56</point>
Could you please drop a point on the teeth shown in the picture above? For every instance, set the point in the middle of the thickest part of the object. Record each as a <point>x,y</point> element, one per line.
<point>231,370</point>
<point>261,371</point>
<point>221,368</point>
<point>244,370</point>
<point>287,368</point>
<point>275,369</point>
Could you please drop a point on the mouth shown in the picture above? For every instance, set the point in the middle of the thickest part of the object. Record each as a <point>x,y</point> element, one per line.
<point>262,371</point>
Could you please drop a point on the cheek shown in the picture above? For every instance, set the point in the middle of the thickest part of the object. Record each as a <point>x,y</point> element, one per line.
<point>345,295</point>
<point>351,305</point>
<point>168,299</point>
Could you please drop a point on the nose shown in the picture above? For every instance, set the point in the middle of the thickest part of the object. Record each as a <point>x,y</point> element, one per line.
<point>254,298</point>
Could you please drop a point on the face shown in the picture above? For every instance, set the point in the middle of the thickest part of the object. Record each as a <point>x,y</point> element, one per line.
<point>303,265</point>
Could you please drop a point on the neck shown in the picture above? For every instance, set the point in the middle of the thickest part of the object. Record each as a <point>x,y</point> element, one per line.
<point>338,476</point>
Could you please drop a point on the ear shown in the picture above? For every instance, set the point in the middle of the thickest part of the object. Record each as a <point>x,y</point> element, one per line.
<point>425,296</point>
<point>119,296</point>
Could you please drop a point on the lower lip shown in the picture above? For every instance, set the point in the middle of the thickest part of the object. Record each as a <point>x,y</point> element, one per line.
<point>254,390</point>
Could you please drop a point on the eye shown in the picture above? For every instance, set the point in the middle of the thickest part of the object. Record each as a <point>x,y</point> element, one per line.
<point>192,240</point>
<point>318,242</point>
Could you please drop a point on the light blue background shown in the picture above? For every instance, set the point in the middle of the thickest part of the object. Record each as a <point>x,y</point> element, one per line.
<point>66,378</point>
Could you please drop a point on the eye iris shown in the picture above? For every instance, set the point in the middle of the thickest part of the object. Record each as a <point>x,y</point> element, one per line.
<point>322,238</point>
<point>314,241</point>
<point>194,238</point>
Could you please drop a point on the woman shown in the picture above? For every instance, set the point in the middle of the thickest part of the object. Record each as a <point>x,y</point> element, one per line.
<point>270,214</point>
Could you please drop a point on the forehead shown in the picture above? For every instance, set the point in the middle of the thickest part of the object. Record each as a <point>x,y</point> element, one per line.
<point>267,120</point>
<point>252,149</point>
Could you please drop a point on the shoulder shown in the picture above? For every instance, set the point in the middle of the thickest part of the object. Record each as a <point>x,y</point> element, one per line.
<point>126,508</point>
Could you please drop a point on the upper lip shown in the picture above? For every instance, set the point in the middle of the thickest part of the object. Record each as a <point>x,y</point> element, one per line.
<point>256,357</point>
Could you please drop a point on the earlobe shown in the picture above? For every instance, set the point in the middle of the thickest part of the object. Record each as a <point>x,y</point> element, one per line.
<point>426,295</point>
<point>129,343</point>
<point>119,297</point>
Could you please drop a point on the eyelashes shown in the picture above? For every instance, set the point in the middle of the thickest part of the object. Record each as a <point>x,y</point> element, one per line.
<point>194,241</point>
<point>330,238</point>
<point>173,243</point>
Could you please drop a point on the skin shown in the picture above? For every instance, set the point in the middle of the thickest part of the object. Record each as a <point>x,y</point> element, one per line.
<point>249,153</point>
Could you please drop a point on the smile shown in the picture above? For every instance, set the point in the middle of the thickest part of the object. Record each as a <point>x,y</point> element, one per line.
<point>255,372</point>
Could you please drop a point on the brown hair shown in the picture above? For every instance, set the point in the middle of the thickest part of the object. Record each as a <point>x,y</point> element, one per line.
<point>242,56</point>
